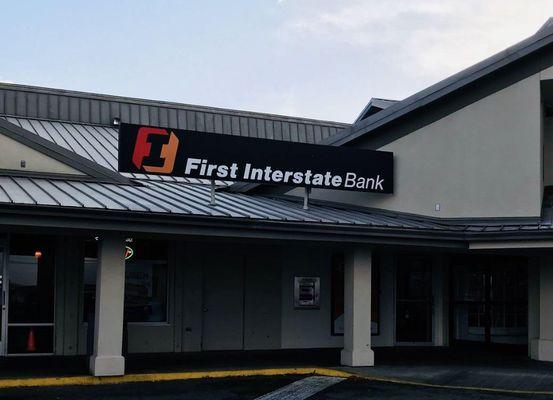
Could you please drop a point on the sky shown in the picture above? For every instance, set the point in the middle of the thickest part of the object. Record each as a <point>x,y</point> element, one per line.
<point>319,59</point>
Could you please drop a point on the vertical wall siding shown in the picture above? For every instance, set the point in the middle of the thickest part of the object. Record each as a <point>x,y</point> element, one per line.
<point>29,104</point>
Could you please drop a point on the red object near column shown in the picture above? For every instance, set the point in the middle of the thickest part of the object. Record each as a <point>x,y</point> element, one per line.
<point>31,345</point>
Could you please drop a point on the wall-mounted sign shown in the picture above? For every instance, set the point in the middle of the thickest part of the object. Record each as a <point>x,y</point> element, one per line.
<point>151,150</point>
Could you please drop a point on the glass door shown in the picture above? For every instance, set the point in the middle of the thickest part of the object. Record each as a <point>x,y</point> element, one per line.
<point>30,291</point>
<point>414,300</point>
<point>489,299</point>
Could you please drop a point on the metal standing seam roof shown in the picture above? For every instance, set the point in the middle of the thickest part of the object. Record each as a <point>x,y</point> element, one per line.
<point>94,142</point>
<point>99,109</point>
<point>187,199</point>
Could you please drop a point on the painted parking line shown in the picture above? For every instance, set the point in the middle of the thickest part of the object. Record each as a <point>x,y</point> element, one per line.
<point>303,388</point>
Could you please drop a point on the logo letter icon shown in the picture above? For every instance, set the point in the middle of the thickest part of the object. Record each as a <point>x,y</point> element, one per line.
<point>143,147</point>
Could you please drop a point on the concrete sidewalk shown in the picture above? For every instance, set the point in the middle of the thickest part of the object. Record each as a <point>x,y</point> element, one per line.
<point>502,368</point>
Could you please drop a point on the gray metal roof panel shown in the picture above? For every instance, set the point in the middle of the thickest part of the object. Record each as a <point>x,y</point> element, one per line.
<point>185,199</point>
<point>95,143</point>
<point>37,192</point>
<point>193,206</point>
<point>181,199</point>
<point>15,192</point>
<point>98,109</point>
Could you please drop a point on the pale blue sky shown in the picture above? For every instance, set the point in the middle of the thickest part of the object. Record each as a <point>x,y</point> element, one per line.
<point>313,58</point>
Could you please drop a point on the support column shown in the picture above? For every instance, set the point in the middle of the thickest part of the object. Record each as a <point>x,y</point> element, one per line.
<point>540,303</point>
<point>440,289</point>
<point>357,350</point>
<point>110,294</point>
<point>533,304</point>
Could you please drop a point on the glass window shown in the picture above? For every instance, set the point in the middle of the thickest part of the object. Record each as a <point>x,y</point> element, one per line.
<point>337,296</point>
<point>145,280</point>
<point>89,279</point>
<point>31,283</point>
<point>490,301</point>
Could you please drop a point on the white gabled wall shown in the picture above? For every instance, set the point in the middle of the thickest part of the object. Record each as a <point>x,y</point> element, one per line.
<point>14,152</point>
<point>483,160</point>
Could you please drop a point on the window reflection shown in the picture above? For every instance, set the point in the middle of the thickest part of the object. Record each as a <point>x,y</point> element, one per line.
<point>145,281</point>
<point>31,293</point>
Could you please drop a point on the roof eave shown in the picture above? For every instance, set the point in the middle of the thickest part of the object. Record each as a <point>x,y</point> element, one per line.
<point>13,216</point>
<point>189,225</point>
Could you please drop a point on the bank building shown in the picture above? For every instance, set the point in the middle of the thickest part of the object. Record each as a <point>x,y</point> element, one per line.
<point>100,261</point>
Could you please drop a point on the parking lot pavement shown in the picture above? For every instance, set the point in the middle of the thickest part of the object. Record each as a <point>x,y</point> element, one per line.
<point>365,389</point>
<point>251,388</point>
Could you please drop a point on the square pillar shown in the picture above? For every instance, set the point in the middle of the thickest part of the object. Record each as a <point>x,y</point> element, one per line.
<point>540,304</point>
<point>357,350</point>
<point>110,295</point>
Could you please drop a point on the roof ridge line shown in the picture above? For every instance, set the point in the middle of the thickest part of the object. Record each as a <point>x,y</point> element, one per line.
<point>61,121</point>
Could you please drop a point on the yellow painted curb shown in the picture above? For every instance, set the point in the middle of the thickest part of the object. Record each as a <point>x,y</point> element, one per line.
<point>169,376</point>
<point>174,376</point>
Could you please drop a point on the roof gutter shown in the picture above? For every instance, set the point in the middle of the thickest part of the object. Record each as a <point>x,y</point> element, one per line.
<point>15,217</point>
<point>89,222</point>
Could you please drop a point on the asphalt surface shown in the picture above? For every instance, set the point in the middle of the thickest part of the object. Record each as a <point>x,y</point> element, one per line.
<point>248,388</point>
<point>362,389</point>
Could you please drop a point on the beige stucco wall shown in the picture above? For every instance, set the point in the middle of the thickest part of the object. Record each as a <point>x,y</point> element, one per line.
<point>483,160</point>
<point>14,152</point>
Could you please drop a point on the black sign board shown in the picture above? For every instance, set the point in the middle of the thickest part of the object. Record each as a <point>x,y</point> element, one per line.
<point>151,150</point>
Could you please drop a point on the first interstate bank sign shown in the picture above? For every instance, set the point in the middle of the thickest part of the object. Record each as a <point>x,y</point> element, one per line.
<point>164,151</point>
